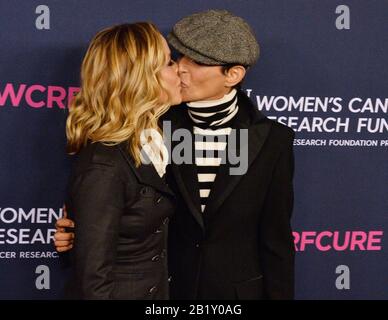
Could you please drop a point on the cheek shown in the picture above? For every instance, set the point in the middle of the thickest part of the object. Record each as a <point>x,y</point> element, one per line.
<point>208,82</point>
<point>164,75</point>
<point>171,82</point>
<point>172,78</point>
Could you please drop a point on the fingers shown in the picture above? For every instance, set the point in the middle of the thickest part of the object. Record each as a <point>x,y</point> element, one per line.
<point>63,241</point>
<point>64,236</point>
<point>64,223</point>
<point>64,249</point>
<point>64,211</point>
<point>61,244</point>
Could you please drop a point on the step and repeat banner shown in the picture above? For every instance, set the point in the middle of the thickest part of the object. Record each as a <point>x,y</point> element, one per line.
<point>322,71</point>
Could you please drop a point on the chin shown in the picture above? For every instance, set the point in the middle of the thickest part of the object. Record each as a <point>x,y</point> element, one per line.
<point>179,101</point>
<point>185,98</point>
<point>176,101</point>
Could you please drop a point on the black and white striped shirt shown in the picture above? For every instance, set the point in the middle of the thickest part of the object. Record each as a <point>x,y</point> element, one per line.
<point>211,129</point>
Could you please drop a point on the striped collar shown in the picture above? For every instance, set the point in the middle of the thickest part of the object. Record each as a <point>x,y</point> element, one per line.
<point>214,113</point>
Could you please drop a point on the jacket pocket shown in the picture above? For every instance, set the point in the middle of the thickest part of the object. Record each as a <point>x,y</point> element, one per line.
<point>251,289</point>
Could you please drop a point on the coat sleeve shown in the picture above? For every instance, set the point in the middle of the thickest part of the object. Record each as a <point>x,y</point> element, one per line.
<point>97,201</point>
<point>276,240</point>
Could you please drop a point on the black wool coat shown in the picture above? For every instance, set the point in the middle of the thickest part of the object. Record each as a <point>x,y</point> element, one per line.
<point>121,215</point>
<point>241,246</point>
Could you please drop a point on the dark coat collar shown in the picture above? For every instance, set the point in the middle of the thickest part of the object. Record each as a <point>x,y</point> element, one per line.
<point>146,174</point>
<point>248,117</point>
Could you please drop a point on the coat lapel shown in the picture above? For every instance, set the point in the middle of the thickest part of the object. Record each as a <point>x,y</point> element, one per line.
<point>185,175</point>
<point>248,118</point>
<point>186,178</point>
<point>145,173</point>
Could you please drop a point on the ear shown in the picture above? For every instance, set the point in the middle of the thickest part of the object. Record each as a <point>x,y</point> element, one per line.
<point>234,76</point>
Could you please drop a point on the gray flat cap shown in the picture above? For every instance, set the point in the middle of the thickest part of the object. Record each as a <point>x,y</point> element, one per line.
<point>215,37</point>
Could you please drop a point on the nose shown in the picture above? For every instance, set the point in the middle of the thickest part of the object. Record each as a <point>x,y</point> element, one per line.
<point>182,67</point>
<point>176,67</point>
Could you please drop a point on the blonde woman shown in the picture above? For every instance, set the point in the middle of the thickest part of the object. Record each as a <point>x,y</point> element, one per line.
<point>120,204</point>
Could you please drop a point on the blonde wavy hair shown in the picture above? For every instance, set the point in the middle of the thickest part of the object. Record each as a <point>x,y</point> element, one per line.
<point>121,89</point>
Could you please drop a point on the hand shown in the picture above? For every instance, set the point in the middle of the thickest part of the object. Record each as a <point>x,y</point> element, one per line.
<point>64,240</point>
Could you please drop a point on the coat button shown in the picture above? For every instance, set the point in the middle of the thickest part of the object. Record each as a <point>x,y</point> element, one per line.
<point>169,278</point>
<point>197,245</point>
<point>152,290</point>
<point>159,199</point>
<point>156,258</point>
